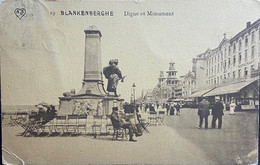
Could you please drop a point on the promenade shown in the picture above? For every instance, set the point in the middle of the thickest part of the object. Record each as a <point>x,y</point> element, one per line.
<point>176,142</point>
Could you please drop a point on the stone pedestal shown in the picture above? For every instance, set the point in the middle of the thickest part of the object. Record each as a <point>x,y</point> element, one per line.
<point>93,105</point>
<point>92,97</point>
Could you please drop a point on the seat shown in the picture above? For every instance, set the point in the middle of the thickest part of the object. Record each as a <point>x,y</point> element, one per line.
<point>20,118</point>
<point>82,123</point>
<point>72,123</point>
<point>48,126</point>
<point>97,125</point>
<point>142,125</point>
<point>160,117</point>
<point>152,118</point>
<point>119,132</point>
<point>60,123</point>
<point>108,123</point>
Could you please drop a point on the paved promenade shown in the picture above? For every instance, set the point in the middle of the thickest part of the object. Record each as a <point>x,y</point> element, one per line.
<point>176,142</point>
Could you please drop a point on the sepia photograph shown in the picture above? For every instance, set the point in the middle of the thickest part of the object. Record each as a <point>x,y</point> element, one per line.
<point>129,82</point>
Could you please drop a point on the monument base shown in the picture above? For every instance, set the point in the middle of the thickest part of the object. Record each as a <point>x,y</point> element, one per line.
<point>88,104</point>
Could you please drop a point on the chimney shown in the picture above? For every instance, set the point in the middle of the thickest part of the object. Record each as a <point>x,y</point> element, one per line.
<point>248,24</point>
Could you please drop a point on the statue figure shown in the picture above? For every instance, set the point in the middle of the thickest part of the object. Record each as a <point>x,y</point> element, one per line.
<point>113,74</point>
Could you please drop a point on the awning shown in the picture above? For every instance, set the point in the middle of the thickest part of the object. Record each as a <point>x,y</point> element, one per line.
<point>228,89</point>
<point>199,93</point>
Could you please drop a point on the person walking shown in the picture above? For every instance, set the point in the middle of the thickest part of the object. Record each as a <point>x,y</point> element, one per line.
<point>203,112</point>
<point>178,108</point>
<point>217,112</point>
<point>232,107</point>
<point>172,109</point>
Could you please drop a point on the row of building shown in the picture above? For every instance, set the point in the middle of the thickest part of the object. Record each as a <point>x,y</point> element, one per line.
<point>229,70</point>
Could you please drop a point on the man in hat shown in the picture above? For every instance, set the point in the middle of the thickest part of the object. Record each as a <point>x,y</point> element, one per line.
<point>204,112</point>
<point>113,74</point>
<point>119,122</point>
<point>217,112</point>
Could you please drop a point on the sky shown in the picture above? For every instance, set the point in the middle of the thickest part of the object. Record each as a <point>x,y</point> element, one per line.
<point>42,56</point>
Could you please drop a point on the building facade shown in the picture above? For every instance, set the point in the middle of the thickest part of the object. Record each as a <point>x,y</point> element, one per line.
<point>234,61</point>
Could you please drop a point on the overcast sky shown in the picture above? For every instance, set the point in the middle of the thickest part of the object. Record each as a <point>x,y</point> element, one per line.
<point>42,56</point>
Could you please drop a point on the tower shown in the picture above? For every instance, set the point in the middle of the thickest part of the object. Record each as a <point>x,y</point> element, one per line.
<point>172,80</point>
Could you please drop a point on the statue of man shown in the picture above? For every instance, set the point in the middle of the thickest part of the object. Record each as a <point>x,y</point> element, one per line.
<point>113,74</point>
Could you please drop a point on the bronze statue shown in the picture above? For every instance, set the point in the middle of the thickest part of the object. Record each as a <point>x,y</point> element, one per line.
<point>113,74</point>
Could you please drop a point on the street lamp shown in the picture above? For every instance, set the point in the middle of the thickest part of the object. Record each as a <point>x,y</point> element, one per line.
<point>134,91</point>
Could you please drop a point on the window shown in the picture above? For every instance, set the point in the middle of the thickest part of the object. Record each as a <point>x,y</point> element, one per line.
<point>225,76</point>
<point>218,80</point>
<point>253,37</point>
<point>215,69</point>
<point>239,73</point>
<point>252,67</point>
<point>234,48</point>
<point>215,59</point>
<point>221,66</point>
<point>234,60</point>
<point>221,56</point>
<point>246,41</point>
<point>229,62</point>
<point>221,77</point>
<point>218,68</point>
<point>239,58</point>
<point>253,52</point>
<point>228,75</point>
<point>245,55</point>
<point>234,74</point>
<point>229,50</point>
<point>245,71</point>
<point>239,45</point>
<point>215,81</point>
<point>225,51</point>
<point>218,57</point>
<point>225,65</point>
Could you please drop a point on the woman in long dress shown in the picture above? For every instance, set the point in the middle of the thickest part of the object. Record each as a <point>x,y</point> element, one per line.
<point>232,107</point>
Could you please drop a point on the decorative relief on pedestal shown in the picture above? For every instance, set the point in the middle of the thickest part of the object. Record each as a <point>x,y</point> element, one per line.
<point>86,107</point>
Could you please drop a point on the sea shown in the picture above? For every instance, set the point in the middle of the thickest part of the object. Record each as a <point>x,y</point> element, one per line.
<point>20,108</point>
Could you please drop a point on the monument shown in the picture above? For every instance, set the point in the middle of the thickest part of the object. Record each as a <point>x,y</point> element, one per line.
<point>92,98</point>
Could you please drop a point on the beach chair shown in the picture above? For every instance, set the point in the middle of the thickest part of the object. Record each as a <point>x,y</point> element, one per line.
<point>20,118</point>
<point>152,118</point>
<point>142,125</point>
<point>60,124</point>
<point>160,117</point>
<point>97,125</point>
<point>82,123</point>
<point>47,127</point>
<point>72,123</point>
<point>108,123</point>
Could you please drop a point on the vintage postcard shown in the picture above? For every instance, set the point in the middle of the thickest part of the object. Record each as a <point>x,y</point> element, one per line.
<point>129,82</point>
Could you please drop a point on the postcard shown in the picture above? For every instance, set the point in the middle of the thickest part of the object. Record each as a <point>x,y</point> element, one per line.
<point>129,82</point>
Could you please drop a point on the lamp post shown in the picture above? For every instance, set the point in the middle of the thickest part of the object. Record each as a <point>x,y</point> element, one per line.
<point>134,91</point>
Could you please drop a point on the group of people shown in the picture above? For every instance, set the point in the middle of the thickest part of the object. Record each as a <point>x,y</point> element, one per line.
<point>217,112</point>
<point>170,108</point>
<point>45,114</point>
